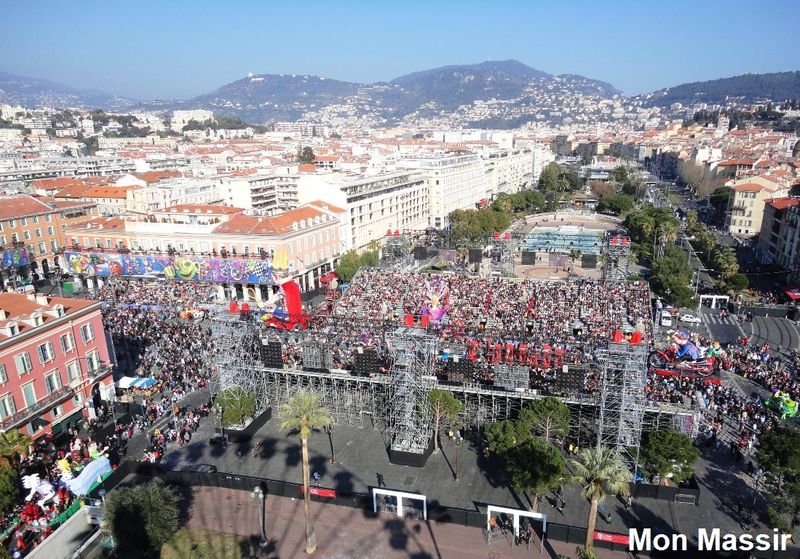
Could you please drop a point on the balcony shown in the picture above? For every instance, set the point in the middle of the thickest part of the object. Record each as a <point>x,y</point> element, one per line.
<point>102,370</point>
<point>29,413</point>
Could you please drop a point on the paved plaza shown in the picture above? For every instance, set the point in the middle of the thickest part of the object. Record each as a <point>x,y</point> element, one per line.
<point>360,455</point>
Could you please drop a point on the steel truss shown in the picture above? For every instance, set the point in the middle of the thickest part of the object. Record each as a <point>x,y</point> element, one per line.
<point>236,358</point>
<point>622,400</point>
<point>412,376</point>
<point>502,256</point>
<point>397,252</point>
<point>618,259</point>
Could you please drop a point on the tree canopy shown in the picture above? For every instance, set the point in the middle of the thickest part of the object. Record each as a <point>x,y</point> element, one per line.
<point>477,225</point>
<point>671,276</point>
<point>616,204</point>
<point>546,417</point>
<point>306,155</point>
<point>445,410</point>
<point>141,519</point>
<point>778,451</point>
<point>351,261</point>
<point>9,488</point>
<point>668,452</point>
<point>535,466</point>
<point>238,406</point>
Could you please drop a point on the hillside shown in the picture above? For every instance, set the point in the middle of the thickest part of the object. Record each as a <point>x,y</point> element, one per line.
<point>747,87</point>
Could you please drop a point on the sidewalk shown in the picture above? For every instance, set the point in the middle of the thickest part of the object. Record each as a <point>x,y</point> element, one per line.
<point>351,533</point>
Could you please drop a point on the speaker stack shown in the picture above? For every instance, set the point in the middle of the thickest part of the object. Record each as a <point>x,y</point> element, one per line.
<point>272,354</point>
<point>420,253</point>
<point>589,261</point>
<point>512,377</point>
<point>365,362</point>
<point>528,258</point>
<point>460,370</point>
<point>316,357</point>
<point>475,256</point>
<point>570,380</point>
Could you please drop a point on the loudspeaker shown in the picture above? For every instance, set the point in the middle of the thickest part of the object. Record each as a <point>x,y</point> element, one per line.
<point>475,256</point>
<point>460,370</point>
<point>316,357</point>
<point>588,261</point>
<point>365,362</point>
<point>420,253</point>
<point>272,354</point>
<point>528,258</point>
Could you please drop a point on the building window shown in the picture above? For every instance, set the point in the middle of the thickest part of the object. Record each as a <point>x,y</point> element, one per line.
<point>54,245</point>
<point>73,370</point>
<point>23,362</point>
<point>29,394</point>
<point>27,235</point>
<point>67,342</point>
<point>3,374</point>
<point>48,218</point>
<point>51,231</point>
<point>92,361</point>
<point>46,352</point>
<point>7,407</point>
<point>23,222</point>
<point>3,241</point>
<point>38,232</point>
<point>14,238</point>
<point>12,223</point>
<point>57,411</point>
<point>42,247</point>
<point>108,243</point>
<point>36,219</point>
<point>52,381</point>
<point>87,333</point>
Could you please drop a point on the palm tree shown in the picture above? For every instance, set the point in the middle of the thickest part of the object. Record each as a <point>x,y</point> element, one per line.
<point>599,471</point>
<point>304,412</point>
<point>12,444</point>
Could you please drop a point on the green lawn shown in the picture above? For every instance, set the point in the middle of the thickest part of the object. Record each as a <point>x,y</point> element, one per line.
<point>194,543</point>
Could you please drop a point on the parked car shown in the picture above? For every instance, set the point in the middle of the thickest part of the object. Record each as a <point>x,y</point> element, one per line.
<point>690,319</point>
<point>218,440</point>
<point>200,468</point>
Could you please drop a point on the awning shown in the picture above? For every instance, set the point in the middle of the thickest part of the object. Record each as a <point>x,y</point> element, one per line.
<point>330,276</point>
<point>793,293</point>
<point>136,382</point>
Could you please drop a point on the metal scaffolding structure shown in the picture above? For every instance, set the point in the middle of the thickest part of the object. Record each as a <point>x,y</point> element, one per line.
<point>502,256</point>
<point>622,400</point>
<point>618,259</point>
<point>397,252</point>
<point>235,358</point>
<point>411,378</point>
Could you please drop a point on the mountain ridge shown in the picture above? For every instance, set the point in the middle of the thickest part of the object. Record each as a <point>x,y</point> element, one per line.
<point>435,91</point>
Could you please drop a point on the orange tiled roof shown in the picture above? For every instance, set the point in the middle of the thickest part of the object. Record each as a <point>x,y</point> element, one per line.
<point>201,209</point>
<point>783,203</point>
<point>18,306</point>
<point>275,225</point>
<point>155,176</point>
<point>21,205</point>
<point>748,187</point>
<point>118,192</point>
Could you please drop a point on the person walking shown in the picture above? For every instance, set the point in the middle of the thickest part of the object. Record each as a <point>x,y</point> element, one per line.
<point>381,482</point>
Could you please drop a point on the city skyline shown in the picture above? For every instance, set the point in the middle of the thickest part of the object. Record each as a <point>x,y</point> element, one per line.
<point>135,52</point>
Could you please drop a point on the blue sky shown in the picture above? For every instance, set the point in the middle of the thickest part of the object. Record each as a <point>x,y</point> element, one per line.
<point>181,48</point>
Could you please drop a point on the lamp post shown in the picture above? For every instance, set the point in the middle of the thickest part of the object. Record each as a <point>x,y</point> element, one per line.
<point>458,439</point>
<point>329,431</point>
<point>259,494</point>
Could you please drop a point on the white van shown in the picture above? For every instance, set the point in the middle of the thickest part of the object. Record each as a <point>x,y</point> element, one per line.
<point>666,318</point>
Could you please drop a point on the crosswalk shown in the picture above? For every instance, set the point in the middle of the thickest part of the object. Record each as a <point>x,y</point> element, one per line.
<point>717,319</point>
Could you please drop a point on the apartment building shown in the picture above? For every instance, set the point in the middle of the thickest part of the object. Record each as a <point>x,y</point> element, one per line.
<point>746,205</point>
<point>54,362</point>
<point>372,204</point>
<point>244,254</point>
<point>32,235</point>
<point>778,239</point>
<point>454,182</point>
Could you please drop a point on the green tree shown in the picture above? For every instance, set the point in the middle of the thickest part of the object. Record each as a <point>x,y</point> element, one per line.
<point>502,436</point>
<point>599,471</point>
<point>550,178</point>
<point>445,410</point>
<point>778,452</point>
<point>671,276</point>
<point>617,204</point>
<point>238,405</point>
<point>9,488</point>
<point>725,262</point>
<point>737,282</point>
<point>546,417</point>
<point>13,444</point>
<point>704,239</point>
<point>304,412</point>
<point>349,263</point>
<point>784,513</point>
<point>535,467</point>
<point>306,155</point>
<point>691,220</point>
<point>141,519</point>
<point>668,452</point>
<point>620,175</point>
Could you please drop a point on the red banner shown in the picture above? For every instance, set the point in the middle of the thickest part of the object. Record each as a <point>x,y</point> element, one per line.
<point>613,538</point>
<point>320,492</point>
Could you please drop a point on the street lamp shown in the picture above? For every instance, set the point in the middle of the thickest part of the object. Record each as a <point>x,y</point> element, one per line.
<point>260,495</point>
<point>329,431</point>
<point>458,439</point>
